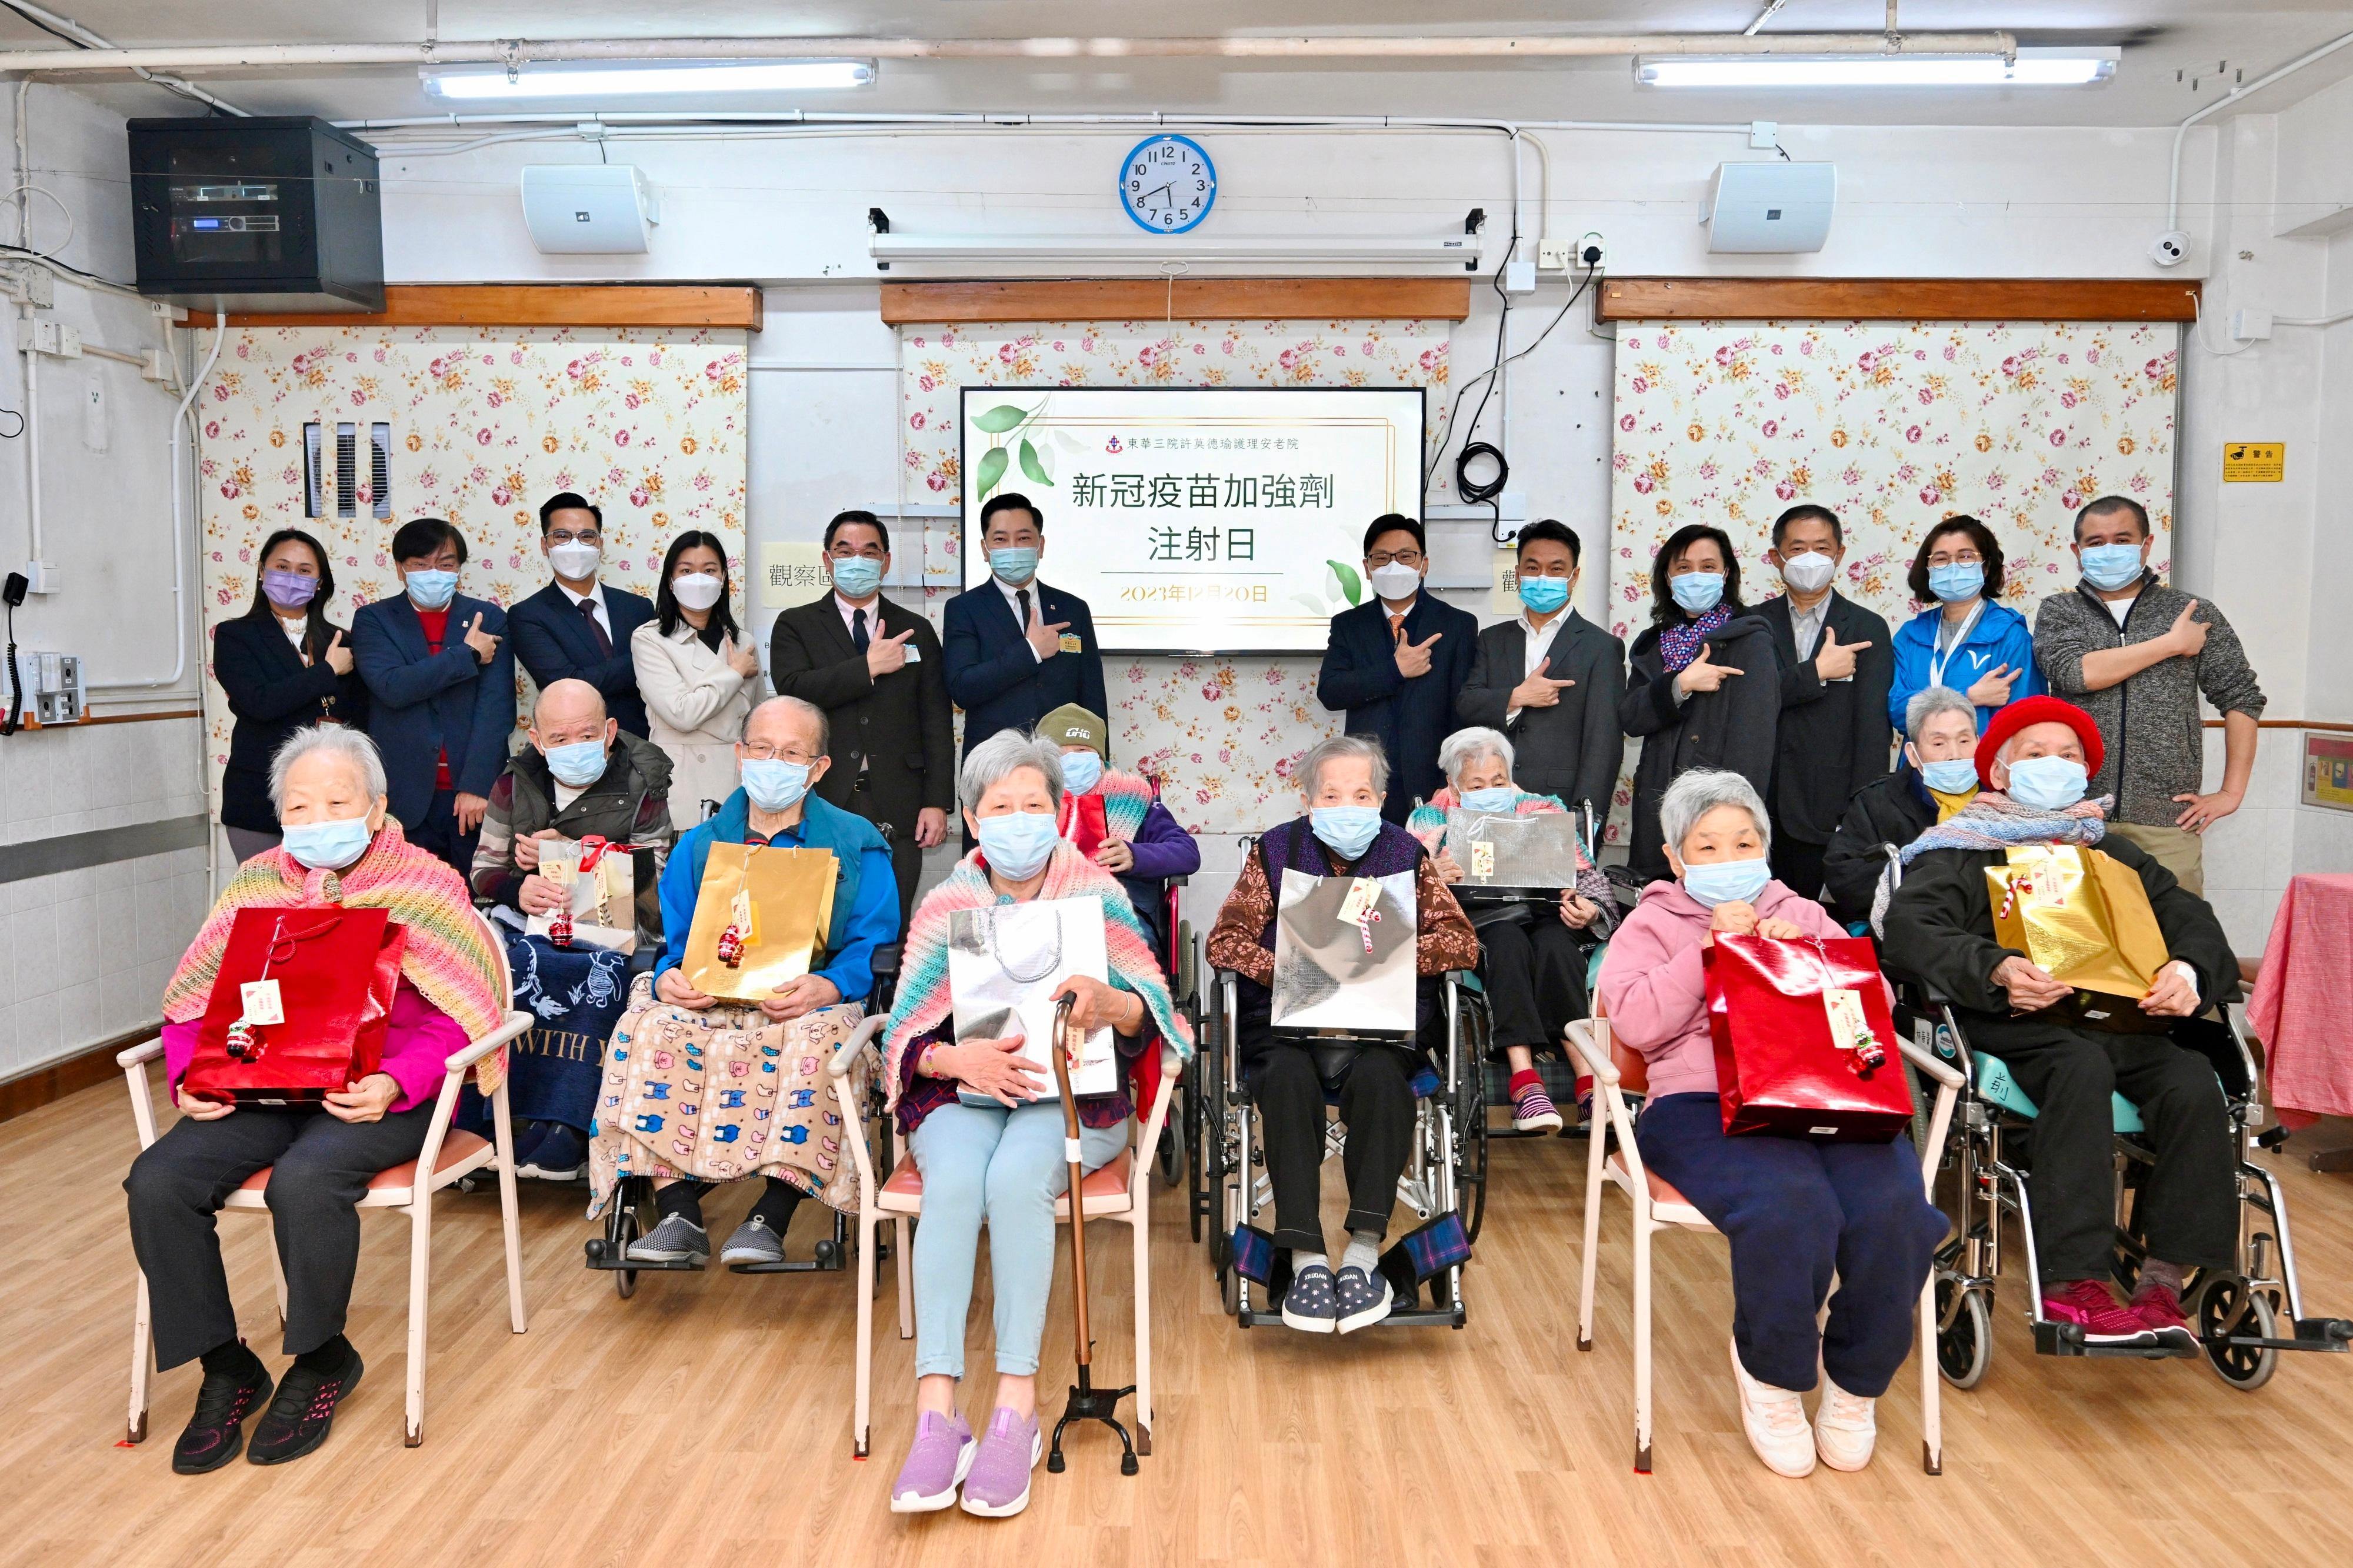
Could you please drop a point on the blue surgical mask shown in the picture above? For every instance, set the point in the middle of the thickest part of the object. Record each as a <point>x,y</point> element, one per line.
<point>1018,844</point>
<point>1698,592</point>
<point>1544,594</point>
<point>1953,775</point>
<point>1959,581</point>
<point>1082,771</point>
<point>328,846</point>
<point>578,765</point>
<point>2047,783</point>
<point>1727,881</point>
<point>1014,566</point>
<point>855,576</point>
<point>1346,830</point>
<point>432,589</point>
<point>775,784</point>
<point>1496,802</point>
<point>2111,566</point>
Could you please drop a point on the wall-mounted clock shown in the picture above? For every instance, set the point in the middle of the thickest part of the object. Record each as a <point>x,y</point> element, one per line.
<point>1167,185</point>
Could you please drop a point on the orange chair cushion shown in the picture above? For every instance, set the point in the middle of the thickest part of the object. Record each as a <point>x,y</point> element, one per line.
<point>455,1148</point>
<point>1100,1186</point>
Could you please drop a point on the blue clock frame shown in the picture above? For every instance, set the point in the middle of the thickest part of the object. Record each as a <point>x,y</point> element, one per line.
<point>1128,207</point>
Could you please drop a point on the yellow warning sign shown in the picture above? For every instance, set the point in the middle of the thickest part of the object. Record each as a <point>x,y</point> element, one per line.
<point>2253,462</point>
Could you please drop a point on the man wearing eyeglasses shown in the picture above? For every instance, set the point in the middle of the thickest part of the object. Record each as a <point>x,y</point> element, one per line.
<point>1395,664</point>
<point>577,628</point>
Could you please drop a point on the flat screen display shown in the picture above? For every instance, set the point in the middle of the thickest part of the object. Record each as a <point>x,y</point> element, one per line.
<point>1196,520</point>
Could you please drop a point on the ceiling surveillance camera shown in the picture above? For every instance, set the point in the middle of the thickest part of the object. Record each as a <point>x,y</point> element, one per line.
<point>2169,248</point>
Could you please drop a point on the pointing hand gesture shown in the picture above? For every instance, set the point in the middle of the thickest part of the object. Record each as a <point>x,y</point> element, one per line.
<point>1836,659</point>
<point>2187,636</point>
<point>484,644</point>
<point>885,655</point>
<point>1992,689</point>
<point>1539,690</point>
<point>1413,658</point>
<point>1700,675</point>
<point>1045,637</point>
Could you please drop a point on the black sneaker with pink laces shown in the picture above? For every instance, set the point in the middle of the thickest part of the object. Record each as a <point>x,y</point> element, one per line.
<point>216,1431</point>
<point>298,1420</point>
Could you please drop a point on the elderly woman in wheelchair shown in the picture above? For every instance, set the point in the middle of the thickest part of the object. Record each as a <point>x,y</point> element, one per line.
<point>1533,969</point>
<point>1797,1213</point>
<point>1342,782</point>
<point>985,1130</point>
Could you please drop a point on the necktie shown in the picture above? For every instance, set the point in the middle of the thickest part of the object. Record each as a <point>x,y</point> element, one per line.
<point>588,608</point>
<point>1023,594</point>
<point>858,637</point>
<point>1396,628</point>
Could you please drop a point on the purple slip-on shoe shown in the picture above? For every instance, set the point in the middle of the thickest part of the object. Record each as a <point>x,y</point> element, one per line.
<point>998,1486</point>
<point>936,1464</point>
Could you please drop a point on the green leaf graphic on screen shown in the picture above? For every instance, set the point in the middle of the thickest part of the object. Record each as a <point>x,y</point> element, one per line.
<point>992,469</point>
<point>1000,419</point>
<point>1350,583</point>
<point>1031,465</point>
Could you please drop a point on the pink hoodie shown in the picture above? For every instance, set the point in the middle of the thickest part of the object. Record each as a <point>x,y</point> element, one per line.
<point>1654,985</point>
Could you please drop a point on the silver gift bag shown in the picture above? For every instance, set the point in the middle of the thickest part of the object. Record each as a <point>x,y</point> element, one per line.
<point>1343,952</point>
<point>1005,963</point>
<point>1514,851</point>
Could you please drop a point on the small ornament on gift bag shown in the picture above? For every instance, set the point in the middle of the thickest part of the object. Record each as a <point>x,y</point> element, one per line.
<point>595,880</point>
<point>1801,1031</point>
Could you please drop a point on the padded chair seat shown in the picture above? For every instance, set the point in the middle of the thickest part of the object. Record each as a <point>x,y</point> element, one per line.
<point>1666,1203</point>
<point>1105,1188</point>
<point>1995,1083</point>
<point>457,1147</point>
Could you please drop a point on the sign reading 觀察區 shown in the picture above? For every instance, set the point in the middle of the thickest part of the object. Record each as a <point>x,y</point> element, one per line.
<point>1197,519</point>
<point>789,574</point>
<point>2254,462</point>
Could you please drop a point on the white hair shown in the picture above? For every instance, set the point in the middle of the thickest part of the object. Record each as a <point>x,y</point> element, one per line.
<point>1466,747</point>
<point>351,747</point>
<point>1929,702</point>
<point>1002,755</point>
<point>1695,794</point>
<point>1331,749</point>
<point>809,710</point>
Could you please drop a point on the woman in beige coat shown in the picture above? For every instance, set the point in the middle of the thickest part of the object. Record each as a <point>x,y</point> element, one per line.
<point>697,674</point>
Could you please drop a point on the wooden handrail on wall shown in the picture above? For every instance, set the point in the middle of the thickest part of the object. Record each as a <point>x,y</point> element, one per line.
<point>1188,299</point>
<point>727,305</point>
<point>1897,300</point>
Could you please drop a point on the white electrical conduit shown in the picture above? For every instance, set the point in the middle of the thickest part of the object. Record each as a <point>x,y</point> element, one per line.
<point>2173,181</point>
<point>41,16</point>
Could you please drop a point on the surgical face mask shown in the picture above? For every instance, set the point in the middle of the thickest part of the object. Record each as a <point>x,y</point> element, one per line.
<point>1808,573</point>
<point>2047,783</point>
<point>1544,594</point>
<point>288,590</point>
<point>1346,830</point>
<point>855,576</point>
<point>574,560</point>
<point>1727,881</point>
<point>1698,592</point>
<point>1953,775</point>
<point>1018,844</point>
<point>1082,771</point>
<point>432,589</point>
<point>1016,566</point>
<point>696,590</point>
<point>775,784</point>
<point>1395,581</point>
<point>1961,580</point>
<point>2111,566</point>
<point>578,765</point>
<point>1502,798</point>
<point>328,846</point>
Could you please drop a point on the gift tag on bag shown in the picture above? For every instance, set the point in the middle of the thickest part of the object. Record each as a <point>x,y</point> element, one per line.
<point>1363,894</point>
<point>1849,1026</point>
<point>262,1003</point>
<point>1483,857</point>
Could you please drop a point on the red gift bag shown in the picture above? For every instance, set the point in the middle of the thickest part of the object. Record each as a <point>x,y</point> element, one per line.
<point>1804,1044</point>
<point>334,969</point>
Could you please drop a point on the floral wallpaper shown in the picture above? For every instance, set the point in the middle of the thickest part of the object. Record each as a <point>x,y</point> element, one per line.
<point>1221,734</point>
<point>485,424</point>
<point>1892,427</point>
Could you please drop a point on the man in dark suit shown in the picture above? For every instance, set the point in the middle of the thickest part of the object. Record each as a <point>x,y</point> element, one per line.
<point>1837,661</point>
<point>1551,679</point>
<point>577,628</point>
<point>1395,662</point>
<point>1017,649</point>
<point>876,669</point>
<point>441,692</point>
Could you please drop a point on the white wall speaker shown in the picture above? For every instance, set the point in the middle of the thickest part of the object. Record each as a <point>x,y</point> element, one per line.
<point>588,209</point>
<point>1771,207</point>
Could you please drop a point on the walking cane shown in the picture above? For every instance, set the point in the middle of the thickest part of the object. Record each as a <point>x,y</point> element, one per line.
<point>1087,1403</point>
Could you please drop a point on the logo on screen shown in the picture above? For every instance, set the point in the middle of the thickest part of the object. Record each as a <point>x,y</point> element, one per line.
<point>1112,445</point>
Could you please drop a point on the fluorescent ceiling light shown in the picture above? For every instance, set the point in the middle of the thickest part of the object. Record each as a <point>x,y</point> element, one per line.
<point>599,80</point>
<point>2033,68</point>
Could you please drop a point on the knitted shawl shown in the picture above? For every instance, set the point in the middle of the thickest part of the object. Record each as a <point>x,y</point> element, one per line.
<point>924,1001</point>
<point>1427,820</point>
<point>449,956</point>
<point>1126,799</point>
<point>1994,821</point>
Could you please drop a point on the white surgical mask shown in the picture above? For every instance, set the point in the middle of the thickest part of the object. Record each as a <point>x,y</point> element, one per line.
<point>698,591</point>
<point>1808,574</point>
<point>1395,581</point>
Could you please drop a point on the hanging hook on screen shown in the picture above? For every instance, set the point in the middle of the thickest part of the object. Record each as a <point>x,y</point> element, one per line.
<point>1172,271</point>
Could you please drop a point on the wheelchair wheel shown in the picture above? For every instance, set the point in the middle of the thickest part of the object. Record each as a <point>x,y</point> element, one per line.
<point>620,1230</point>
<point>1171,1154</point>
<point>2215,1309</point>
<point>1965,1345</point>
<point>1470,1149</point>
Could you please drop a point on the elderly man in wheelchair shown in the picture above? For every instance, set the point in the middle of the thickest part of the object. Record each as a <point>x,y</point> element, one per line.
<point>1342,782</point>
<point>2070,1053</point>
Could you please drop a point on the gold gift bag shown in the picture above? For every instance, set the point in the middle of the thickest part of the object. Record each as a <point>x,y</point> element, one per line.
<point>778,903</point>
<point>2083,917</point>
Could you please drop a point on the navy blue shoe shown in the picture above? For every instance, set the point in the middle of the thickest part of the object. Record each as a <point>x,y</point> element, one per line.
<point>1311,1306</point>
<point>556,1156</point>
<point>1363,1301</point>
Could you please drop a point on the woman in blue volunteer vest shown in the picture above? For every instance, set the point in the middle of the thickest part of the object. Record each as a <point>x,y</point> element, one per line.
<point>1968,642</point>
<point>783,753</point>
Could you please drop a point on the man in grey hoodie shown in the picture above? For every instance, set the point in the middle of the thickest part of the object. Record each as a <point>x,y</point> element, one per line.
<point>2136,654</point>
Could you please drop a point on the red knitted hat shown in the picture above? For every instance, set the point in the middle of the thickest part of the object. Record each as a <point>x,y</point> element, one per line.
<point>2009,720</point>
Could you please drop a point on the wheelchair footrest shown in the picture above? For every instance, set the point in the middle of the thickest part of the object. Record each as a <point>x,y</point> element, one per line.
<point>829,1259</point>
<point>601,1257</point>
<point>2312,1334</point>
<point>2067,1339</point>
<point>1399,1318</point>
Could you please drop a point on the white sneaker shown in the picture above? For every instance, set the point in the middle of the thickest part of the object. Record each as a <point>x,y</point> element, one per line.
<point>1775,1420</point>
<point>1845,1427</point>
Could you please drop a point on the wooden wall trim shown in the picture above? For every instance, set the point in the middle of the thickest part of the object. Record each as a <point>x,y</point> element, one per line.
<point>2319,726</point>
<point>69,1074</point>
<point>120,719</point>
<point>733,305</point>
<point>1897,300</point>
<point>1191,298</point>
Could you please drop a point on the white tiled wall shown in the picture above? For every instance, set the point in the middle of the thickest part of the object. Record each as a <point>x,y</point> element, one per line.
<point>2250,854</point>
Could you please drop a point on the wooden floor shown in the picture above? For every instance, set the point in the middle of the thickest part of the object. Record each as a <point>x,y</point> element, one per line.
<point>707,1419</point>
